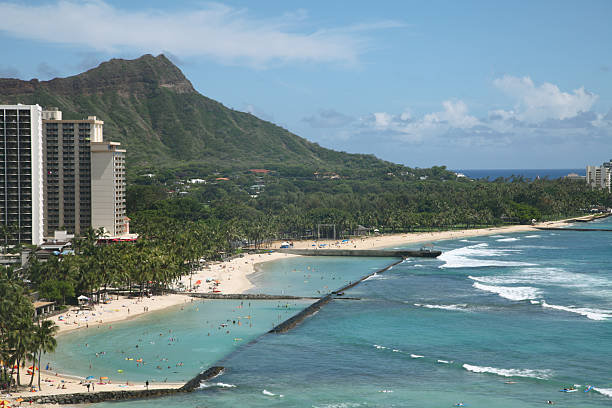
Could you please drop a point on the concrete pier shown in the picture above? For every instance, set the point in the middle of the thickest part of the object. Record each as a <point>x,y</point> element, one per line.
<point>399,253</point>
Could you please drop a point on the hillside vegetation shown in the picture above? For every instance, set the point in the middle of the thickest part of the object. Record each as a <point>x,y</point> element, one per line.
<point>149,106</point>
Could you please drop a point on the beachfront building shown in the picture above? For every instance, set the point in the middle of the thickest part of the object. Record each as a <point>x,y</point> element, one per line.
<point>600,176</point>
<point>84,177</point>
<point>21,173</point>
<point>68,203</point>
<point>108,188</point>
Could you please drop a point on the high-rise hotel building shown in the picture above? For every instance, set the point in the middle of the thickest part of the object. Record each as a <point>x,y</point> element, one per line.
<point>21,173</point>
<point>108,188</point>
<point>84,177</point>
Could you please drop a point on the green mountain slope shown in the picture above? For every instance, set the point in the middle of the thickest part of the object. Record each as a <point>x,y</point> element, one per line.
<point>149,106</point>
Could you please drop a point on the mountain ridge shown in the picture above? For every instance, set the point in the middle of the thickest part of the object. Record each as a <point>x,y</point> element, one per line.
<point>149,106</point>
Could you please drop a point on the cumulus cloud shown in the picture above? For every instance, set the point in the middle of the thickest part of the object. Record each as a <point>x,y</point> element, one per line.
<point>405,127</point>
<point>542,114</point>
<point>547,101</point>
<point>221,32</point>
<point>328,118</point>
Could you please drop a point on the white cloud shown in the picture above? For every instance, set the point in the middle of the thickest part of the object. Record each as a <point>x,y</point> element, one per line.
<point>404,127</point>
<point>547,101</point>
<point>214,30</point>
<point>542,115</point>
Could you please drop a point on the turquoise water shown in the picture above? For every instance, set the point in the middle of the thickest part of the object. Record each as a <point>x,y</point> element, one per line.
<point>499,321</point>
<point>174,344</point>
<point>312,275</point>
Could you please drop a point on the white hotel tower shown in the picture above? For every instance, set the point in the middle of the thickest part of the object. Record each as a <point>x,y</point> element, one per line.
<point>21,173</point>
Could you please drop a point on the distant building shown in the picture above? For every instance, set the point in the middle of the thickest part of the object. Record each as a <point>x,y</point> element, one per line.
<point>600,176</point>
<point>575,177</point>
<point>21,173</point>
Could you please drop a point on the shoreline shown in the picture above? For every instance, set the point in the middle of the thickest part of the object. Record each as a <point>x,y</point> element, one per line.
<point>221,274</point>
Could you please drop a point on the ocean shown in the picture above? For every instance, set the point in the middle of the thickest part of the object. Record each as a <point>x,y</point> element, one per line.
<point>498,321</point>
<point>532,174</point>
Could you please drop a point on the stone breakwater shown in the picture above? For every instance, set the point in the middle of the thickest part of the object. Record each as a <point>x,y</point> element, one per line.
<point>195,382</point>
<point>298,318</point>
<point>315,307</point>
<point>101,396</point>
<point>353,284</point>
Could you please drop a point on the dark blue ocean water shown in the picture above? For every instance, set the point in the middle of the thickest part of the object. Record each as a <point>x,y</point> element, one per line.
<point>498,322</point>
<point>492,174</point>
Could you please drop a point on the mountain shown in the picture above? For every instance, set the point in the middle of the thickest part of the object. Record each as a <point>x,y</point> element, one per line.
<point>149,106</point>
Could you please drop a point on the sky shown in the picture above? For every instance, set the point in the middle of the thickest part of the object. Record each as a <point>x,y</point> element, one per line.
<point>466,84</point>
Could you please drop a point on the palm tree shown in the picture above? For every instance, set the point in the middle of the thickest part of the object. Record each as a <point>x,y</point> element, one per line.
<point>44,342</point>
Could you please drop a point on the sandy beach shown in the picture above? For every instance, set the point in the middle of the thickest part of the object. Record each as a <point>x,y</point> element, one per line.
<point>392,240</point>
<point>222,277</point>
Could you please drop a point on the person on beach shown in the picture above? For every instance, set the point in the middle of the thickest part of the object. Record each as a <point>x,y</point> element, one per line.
<point>147,384</point>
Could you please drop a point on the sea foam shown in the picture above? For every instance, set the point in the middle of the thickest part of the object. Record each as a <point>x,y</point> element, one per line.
<point>588,284</point>
<point>460,307</point>
<point>515,293</point>
<point>219,384</point>
<point>509,372</point>
<point>507,239</point>
<point>593,314</point>
<point>470,257</point>
<point>604,391</point>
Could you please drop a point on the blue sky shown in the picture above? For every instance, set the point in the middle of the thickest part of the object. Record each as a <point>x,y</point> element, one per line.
<point>467,84</point>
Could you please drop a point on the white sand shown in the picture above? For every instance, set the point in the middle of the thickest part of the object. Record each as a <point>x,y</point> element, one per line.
<point>393,240</point>
<point>231,275</point>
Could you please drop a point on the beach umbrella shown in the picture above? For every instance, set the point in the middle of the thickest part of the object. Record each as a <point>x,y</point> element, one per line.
<point>104,378</point>
<point>83,297</point>
<point>198,282</point>
<point>91,377</point>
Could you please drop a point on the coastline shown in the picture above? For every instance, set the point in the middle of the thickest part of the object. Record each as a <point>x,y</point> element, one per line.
<point>232,277</point>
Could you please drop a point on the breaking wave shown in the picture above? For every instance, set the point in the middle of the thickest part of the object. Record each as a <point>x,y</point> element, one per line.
<point>593,314</point>
<point>604,391</point>
<point>509,372</point>
<point>470,257</point>
<point>507,239</point>
<point>219,384</point>
<point>515,293</point>
<point>592,285</point>
<point>460,307</point>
